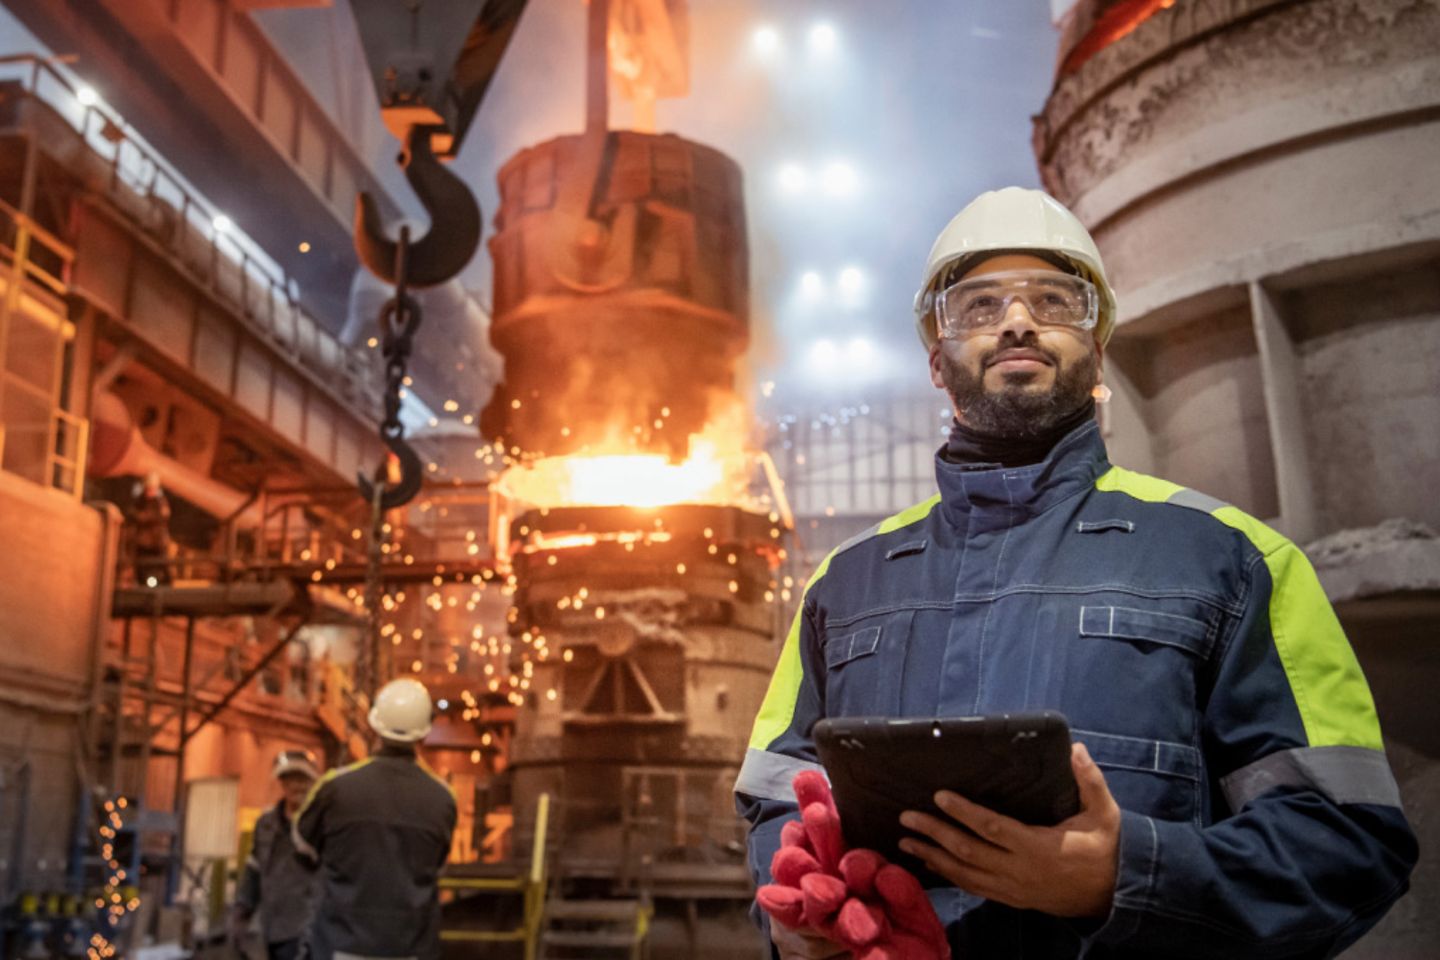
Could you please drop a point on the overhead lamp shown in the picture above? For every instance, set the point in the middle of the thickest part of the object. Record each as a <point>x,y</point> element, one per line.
<point>765,40</point>
<point>838,179</point>
<point>793,178</point>
<point>823,38</point>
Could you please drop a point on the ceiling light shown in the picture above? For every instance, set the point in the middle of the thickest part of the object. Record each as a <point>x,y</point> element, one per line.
<point>822,38</point>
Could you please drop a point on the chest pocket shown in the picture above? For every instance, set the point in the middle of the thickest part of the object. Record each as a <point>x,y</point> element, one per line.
<point>1131,666</point>
<point>865,666</point>
<point>1195,637</point>
<point>852,646</point>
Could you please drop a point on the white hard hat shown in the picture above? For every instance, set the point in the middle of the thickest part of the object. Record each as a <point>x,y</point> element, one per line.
<point>401,711</point>
<point>1019,220</point>
<point>296,761</point>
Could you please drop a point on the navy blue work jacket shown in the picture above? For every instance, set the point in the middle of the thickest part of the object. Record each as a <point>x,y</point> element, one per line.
<point>1195,655</point>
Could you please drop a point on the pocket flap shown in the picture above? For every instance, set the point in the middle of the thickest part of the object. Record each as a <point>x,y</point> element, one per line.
<point>1147,756</point>
<point>1128,623</point>
<point>905,549</point>
<point>845,648</point>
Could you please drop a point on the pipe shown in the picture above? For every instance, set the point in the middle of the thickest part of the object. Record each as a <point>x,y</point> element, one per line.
<point>117,448</point>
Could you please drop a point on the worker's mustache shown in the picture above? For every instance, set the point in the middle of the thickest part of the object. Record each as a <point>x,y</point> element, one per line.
<point>1027,344</point>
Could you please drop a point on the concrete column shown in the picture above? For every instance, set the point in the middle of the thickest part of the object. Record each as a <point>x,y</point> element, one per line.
<point>1284,409</point>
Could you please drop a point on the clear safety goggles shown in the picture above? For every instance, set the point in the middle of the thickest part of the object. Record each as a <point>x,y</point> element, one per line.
<point>1053,299</point>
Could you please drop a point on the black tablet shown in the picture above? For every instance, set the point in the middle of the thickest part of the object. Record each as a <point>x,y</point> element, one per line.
<point>1017,764</point>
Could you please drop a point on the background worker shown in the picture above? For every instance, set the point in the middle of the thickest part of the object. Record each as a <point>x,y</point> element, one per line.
<point>380,830</point>
<point>150,523</point>
<point>276,884</point>
<point>1236,799</point>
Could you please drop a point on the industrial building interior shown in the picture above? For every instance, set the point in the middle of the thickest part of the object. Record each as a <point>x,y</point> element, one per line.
<point>657,361</point>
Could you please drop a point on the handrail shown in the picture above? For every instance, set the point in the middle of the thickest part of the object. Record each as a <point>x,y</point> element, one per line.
<point>115,126</point>
<point>531,885</point>
<point>153,178</point>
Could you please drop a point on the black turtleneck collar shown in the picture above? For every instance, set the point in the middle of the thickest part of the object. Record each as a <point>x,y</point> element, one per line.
<point>977,451</point>
<point>400,751</point>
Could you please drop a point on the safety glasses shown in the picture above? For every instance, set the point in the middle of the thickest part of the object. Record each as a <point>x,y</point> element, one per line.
<point>1053,299</point>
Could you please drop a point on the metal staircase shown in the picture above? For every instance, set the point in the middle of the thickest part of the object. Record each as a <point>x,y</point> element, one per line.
<point>596,928</point>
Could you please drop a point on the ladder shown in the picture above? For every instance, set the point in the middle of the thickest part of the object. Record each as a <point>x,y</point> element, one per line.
<point>586,928</point>
<point>529,885</point>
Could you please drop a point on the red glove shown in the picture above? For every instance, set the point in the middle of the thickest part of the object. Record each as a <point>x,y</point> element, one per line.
<point>910,910</point>
<point>872,907</point>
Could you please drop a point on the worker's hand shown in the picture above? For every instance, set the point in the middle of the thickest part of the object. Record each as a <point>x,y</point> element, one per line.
<point>804,944</point>
<point>1067,870</point>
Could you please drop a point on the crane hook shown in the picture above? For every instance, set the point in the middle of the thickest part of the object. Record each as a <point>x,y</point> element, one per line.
<point>411,475</point>
<point>454,231</point>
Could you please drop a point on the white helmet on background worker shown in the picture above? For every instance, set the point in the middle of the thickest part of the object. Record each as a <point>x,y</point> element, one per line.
<point>401,711</point>
<point>1012,220</point>
<point>296,762</point>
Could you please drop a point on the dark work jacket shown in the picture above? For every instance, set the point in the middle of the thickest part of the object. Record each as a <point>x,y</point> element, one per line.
<point>1195,655</point>
<point>277,883</point>
<point>380,829</point>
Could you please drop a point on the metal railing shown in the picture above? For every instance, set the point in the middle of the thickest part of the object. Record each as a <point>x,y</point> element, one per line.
<point>222,256</point>
<point>530,884</point>
<point>39,267</point>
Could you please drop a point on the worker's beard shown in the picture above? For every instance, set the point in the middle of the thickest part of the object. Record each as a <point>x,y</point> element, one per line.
<point>1013,411</point>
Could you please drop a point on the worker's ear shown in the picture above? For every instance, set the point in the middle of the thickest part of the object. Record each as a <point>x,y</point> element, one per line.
<point>1101,392</point>
<point>935,376</point>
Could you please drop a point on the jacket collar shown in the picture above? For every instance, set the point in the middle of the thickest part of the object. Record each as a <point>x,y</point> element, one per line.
<point>1004,496</point>
<point>396,751</point>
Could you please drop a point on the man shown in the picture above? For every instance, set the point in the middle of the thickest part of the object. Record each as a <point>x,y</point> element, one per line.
<point>380,829</point>
<point>275,883</point>
<point>1236,800</point>
<point>150,516</point>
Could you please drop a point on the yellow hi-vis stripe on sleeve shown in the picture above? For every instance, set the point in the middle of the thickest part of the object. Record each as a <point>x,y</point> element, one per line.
<point>329,775</point>
<point>778,707</point>
<point>1325,678</point>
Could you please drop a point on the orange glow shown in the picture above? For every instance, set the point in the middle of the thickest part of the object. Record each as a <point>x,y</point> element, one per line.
<point>1118,22</point>
<point>568,542</point>
<point>717,471</point>
<point>539,542</point>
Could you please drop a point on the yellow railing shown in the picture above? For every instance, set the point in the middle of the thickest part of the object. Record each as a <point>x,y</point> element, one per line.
<point>33,254</point>
<point>66,470</point>
<point>530,885</point>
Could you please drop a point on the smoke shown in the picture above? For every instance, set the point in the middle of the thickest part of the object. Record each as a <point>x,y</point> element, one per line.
<point>927,105</point>
<point>453,359</point>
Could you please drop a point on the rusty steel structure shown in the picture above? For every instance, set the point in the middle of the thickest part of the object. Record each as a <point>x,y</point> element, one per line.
<point>655,630</point>
<point>621,290</point>
<point>620,309</point>
<point>643,621</point>
<point>1259,176</point>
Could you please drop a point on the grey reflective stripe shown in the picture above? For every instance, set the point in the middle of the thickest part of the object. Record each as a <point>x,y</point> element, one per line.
<point>767,776</point>
<point>1343,774</point>
<point>1196,500</point>
<point>856,540</point>
<point>300,845</point>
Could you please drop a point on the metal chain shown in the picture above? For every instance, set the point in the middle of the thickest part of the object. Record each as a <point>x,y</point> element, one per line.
<point>369,659</point>
<point>399,319</point>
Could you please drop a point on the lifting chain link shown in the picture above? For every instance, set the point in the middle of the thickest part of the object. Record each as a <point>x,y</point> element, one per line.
<point>370,660</point>
<point>399,319</point>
